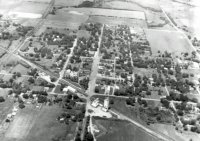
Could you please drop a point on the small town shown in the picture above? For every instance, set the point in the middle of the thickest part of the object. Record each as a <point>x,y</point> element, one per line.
<point>99,70</point>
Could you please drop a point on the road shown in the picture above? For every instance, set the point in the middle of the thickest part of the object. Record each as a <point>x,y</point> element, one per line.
<point>155,134</point>
<point>65,65</point>
<point>95,65</point>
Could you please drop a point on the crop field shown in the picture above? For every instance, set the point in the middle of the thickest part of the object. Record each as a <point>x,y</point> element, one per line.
<point>117,130</point>
<point>39,125</point>
<point>172,42</point>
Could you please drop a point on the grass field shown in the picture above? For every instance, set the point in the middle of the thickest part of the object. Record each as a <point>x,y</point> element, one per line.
<point>169,41</point>
<point>39,125</point>
<point>117,130</point>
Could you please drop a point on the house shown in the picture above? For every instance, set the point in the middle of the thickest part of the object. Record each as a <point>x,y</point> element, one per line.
<point>108,90</point>
<point>106,103</point>
<point>69,88</point>
<point>95,103</point>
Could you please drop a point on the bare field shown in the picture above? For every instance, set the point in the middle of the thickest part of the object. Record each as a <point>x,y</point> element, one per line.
<point>173,42</point>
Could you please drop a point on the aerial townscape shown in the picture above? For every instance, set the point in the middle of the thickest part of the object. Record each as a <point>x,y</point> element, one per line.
<point>99,70</point>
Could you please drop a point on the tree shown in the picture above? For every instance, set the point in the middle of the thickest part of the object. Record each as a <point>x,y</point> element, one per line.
<point>89,137</point>
<point>21,106</point>
<point>111,101</point>
<point>18,74</point>
<point>2,99</point>
<point>148,93</point>
<point>31,80</point>
<point>25,96</point>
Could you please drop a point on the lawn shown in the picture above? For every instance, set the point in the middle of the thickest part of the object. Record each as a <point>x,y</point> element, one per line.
<point>170,41</point>
<point>32,124</point>
<point>118,130</point>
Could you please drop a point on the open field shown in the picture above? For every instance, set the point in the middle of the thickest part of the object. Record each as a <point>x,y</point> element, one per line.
<point>131,4</point>
<point>112,13</point>
<point>183,14</point>
<point>153,14</point>
<point>117,21</point>
<point>172,42</point>
<point>117,130</point>
<point>73,17</point>
<point>29,10</point>
<point>68,2</point>
<point>38,125</point>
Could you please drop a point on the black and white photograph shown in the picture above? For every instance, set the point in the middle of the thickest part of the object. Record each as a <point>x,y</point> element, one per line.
<point>99,70</point>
